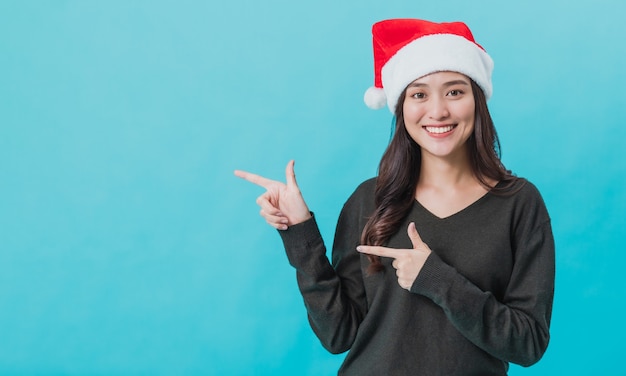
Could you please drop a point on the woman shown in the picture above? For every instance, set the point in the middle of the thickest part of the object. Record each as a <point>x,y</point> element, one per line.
<point>444,263</point>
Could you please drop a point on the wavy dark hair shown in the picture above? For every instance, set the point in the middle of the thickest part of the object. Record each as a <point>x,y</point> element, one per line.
<point>399,170</point>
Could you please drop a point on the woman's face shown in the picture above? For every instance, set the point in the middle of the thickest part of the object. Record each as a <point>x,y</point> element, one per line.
<point>439,113</point>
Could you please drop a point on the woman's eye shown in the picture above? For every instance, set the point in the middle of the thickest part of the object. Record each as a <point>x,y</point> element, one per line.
<point>455,92</point>
<point>419,95</point>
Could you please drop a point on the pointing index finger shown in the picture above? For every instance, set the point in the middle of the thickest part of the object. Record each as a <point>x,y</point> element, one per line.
<point>380,251</point>
<point>254,178</point>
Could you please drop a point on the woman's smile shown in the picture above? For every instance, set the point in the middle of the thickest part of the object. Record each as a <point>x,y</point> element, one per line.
<point>439,130</point>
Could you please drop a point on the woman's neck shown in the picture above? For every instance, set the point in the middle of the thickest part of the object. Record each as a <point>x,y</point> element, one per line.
<point>445,173</point>
<point>447,186</point>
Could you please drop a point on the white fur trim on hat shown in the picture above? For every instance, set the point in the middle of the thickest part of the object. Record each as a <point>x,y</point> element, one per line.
<point>375,98</point>
<point>435,53</point>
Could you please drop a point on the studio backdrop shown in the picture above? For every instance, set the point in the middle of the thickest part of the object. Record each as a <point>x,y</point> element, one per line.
<point>127,246</point>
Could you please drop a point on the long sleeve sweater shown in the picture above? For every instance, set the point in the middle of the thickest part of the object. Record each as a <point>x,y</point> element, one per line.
<point>482,299</point>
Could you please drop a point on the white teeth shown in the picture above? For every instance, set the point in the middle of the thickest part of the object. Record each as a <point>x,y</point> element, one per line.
<point>439,130</point>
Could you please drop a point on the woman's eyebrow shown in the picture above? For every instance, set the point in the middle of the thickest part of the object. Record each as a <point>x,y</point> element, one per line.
<point>416,84</point>
<point>446,84</point>
<point>456,82</point>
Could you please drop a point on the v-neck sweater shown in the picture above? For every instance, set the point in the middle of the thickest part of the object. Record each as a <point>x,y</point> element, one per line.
<point>482,299</point>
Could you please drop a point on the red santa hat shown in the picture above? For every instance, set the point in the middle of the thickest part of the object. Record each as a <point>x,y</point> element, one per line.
<point>407,49</point>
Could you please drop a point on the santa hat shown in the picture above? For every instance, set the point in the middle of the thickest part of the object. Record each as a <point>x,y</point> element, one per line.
<point>407,49</point>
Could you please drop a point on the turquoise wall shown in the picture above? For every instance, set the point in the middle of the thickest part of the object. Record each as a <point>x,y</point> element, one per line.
<point>128,247</point>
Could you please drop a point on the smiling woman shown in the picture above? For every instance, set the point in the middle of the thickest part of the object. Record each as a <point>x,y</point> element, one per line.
<point>443,263</point>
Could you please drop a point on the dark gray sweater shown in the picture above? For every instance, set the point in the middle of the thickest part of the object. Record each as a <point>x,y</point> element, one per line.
<point>482,299</point>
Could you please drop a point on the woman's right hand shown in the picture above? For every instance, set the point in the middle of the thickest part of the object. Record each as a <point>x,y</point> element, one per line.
<point>282,204</point>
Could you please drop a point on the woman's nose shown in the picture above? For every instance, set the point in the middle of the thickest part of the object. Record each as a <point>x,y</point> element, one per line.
<point>438,109</point>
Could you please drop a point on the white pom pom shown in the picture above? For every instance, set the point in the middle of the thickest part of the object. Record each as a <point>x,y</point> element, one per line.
<point>375,98</point>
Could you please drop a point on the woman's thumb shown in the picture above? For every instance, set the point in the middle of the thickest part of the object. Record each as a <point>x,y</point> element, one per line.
<point>416,240</point>
<point>291,174</point>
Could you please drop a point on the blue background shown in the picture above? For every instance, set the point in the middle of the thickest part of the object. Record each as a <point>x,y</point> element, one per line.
<point>128,247</point>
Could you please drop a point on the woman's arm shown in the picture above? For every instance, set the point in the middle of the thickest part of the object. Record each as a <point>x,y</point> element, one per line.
<point>515,329</point>
<point>333,294</point>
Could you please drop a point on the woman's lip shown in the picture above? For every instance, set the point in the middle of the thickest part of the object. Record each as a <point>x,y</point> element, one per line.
<point>439,130</point>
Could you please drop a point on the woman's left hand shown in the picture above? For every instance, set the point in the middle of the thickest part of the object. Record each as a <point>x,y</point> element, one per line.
<point>407,262</point>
